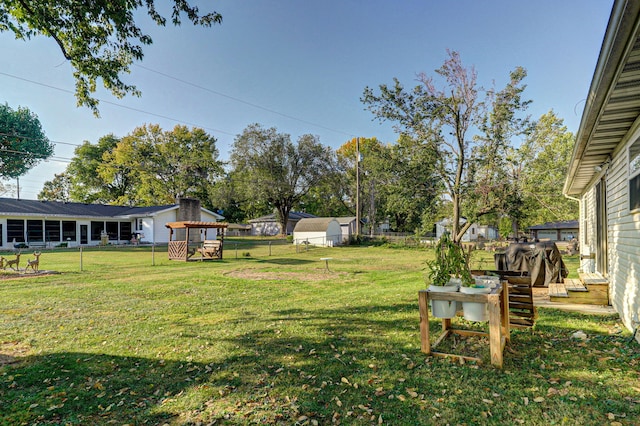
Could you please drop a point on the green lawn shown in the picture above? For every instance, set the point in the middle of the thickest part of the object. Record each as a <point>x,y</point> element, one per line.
<point>277,339</point>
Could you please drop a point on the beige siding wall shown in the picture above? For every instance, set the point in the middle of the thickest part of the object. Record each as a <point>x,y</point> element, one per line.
<point>624,242</point>
<point>623,239</point>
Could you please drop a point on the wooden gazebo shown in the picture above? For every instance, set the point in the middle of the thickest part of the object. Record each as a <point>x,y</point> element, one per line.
<point>195,240</point>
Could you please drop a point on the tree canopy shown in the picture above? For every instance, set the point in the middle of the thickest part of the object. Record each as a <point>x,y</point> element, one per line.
<point>100,39</point>
<point>23,143</point>
<point>268,166</point>
<point>149,166</point>
<point>443,116</point>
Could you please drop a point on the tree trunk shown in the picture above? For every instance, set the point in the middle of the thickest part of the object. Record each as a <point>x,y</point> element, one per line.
<point>283,218</point>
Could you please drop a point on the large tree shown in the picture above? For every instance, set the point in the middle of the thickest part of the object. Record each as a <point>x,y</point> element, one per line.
<point>23,143</point>
<point>545,157</point>
<point>372,156</point>
<point>99,38</point>
<point>162,166</point>
<point>268,167</point>
<point>86,185</point>
<point>444,118</point>
<point>58,189</point>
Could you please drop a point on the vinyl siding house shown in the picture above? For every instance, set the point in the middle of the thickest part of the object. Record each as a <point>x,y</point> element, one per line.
<point>604,172</point>
<point>348,226</point>
<point>445,226</point>
<point>268,226</point>
<point>318,231</point>
<point>49,223</point>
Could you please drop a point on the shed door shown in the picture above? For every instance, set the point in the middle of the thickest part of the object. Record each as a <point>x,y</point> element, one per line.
<point>601,228</point>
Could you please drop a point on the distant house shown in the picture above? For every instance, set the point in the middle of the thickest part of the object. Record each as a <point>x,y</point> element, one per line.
<point>49,223</point>
<point>488,232</point>
<point>565,230</point>
<point>318,231</point>
<point>604,170</point>
<point>348,226</point>
<point>473,233</point>
<point>268,225</point>
<point>238,230</point>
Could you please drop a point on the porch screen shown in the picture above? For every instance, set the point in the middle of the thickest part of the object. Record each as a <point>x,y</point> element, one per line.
<point>52,230</point>
<point>15,230</point>
<point>34,230</point>
<point>69,230</point>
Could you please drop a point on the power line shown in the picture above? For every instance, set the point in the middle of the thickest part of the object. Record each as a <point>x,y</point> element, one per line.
<point>119,105</point>
<point>233,98</point>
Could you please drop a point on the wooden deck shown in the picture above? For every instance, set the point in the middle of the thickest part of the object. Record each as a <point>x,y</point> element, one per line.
<point>589,289</point>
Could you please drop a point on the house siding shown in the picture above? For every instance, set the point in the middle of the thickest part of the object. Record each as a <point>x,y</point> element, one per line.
<point>623,230</point>
<point>623,238</point>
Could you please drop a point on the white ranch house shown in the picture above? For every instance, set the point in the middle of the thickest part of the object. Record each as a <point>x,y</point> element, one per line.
<point>49,223</point>
<point>604,172</point>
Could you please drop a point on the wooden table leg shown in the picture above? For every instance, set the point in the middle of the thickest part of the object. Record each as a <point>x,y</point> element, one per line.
<point>425,346</point>
<point>495,329</point>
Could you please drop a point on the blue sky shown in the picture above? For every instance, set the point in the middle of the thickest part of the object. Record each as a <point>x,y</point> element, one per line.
<point>301,66</point>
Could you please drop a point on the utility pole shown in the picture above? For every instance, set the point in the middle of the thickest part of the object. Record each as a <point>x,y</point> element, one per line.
<point>357,186</point>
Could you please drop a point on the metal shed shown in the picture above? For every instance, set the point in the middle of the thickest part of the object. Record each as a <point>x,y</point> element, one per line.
<point>318,231</point>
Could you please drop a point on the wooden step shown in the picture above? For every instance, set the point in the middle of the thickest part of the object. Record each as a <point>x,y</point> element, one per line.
<point>573,284</point>
<point>557,290</point>
<point>591,278</point>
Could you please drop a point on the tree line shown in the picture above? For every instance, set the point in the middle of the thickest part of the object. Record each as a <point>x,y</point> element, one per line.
<point>461,151</point>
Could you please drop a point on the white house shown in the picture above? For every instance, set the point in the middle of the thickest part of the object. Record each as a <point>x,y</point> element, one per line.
<point>348,226</point>
<point>49,223</point>
<point>445,226</point>
<point>318,231</point>
<point>269,226</point>
<point>604,172</point>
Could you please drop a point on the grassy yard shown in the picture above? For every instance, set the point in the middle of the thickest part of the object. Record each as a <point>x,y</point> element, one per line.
<point>278,340</point>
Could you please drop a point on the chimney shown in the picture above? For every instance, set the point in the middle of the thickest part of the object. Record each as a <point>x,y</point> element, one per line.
<point>189,209</point>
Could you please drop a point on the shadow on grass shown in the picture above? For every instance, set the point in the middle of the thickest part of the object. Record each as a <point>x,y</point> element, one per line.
<point>286,261</point>
<point>353,364</point>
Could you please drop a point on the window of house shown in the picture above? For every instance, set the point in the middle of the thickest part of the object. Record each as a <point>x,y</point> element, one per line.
<point>96,230</point>
<point>125,230</point>
<point>34,230</point>
<point>112,230</point>
<point>69,230</point>
<point>634,176</point>
<point>15,230</point>
<point>139,224</point>
<point>52,230</point>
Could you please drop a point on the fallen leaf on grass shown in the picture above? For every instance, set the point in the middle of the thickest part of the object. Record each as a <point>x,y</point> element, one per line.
<point>538,399</point>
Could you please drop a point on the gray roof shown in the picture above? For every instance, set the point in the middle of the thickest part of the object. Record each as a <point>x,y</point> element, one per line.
<point>563,224</point>
<point>10,206</point>
<point>345,220</point>
<point>293,216</point>
<point>315,224</point>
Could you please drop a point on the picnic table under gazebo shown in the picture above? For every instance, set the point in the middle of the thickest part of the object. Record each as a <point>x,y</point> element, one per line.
<point>186,238</point>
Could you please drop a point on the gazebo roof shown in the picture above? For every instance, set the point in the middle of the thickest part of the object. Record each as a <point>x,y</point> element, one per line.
<point>195,224</point>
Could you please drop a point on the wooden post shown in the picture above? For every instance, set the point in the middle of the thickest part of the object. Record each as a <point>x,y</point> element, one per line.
<point>425,346</point>
<point>81,259</point>
<point>495,329</point>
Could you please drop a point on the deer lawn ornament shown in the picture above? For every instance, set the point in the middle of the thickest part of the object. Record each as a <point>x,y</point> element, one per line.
<point>35,263</point>
<point>16,261</point>
<point>2,262</point>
